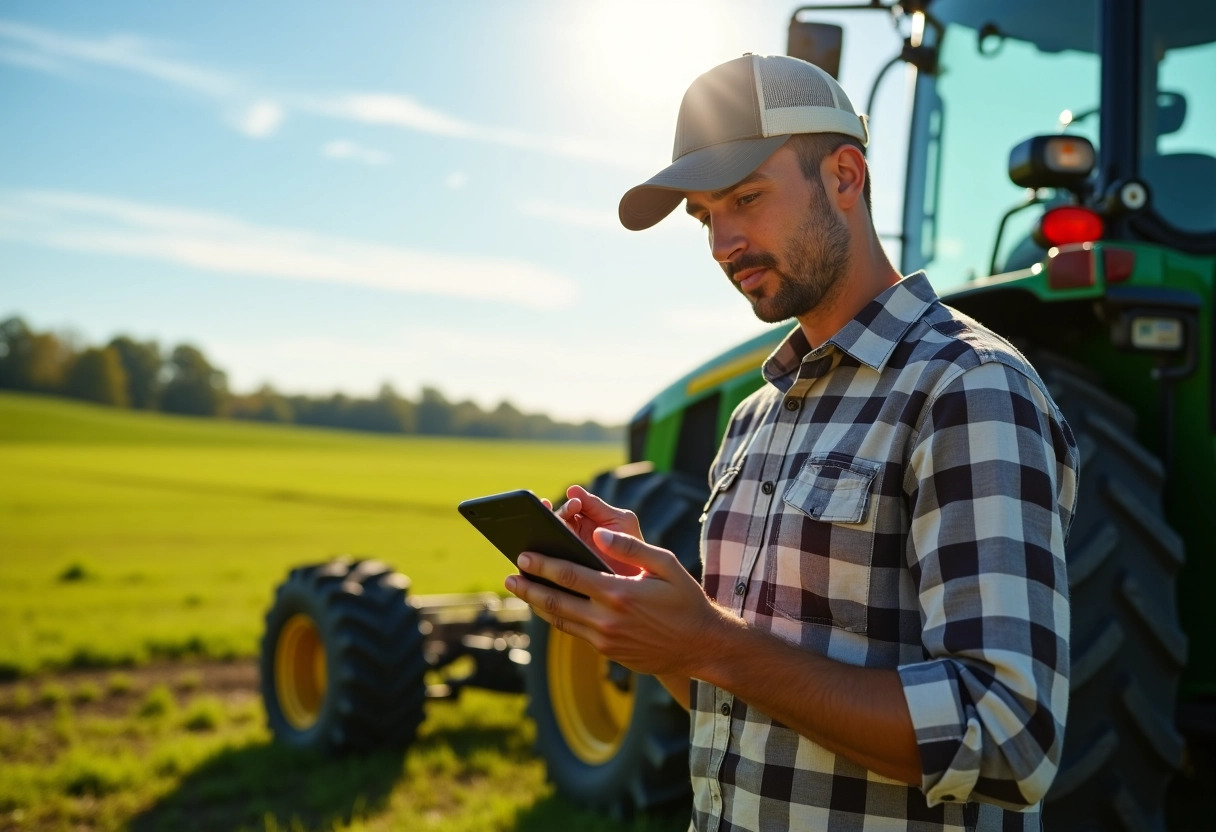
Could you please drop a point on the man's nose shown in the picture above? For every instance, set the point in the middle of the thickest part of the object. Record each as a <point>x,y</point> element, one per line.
<point>726,240</point>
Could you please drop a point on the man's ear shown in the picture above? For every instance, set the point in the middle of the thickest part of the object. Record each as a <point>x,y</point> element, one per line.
<point>845,176</point>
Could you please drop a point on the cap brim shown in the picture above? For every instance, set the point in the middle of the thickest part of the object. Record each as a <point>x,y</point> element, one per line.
<point>708,169</point>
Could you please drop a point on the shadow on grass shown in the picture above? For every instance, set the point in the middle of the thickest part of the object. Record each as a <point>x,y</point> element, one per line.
<point>270,786</point>
<point>245,788</point>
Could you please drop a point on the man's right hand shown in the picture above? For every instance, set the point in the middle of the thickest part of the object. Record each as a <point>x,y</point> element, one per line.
<point>584,512</point>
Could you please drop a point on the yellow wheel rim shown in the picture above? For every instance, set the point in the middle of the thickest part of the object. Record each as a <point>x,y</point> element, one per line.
<point>299,671</point>
<point>592,699</point>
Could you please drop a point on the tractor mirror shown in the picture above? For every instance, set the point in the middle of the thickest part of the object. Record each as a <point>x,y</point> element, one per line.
<point>1171,112</point>
<point>817,43</point>
<point>1052,162</point>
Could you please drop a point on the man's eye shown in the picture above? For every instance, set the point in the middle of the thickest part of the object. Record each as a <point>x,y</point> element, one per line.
<point>747,199</point>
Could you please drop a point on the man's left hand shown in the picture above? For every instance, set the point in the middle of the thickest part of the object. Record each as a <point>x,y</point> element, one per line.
<point>656,622</point>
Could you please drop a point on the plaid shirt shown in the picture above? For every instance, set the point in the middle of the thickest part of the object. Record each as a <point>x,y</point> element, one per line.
<point>896,498</point>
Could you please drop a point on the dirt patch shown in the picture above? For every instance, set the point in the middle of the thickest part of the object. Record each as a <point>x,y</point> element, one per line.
<point>115,691</point>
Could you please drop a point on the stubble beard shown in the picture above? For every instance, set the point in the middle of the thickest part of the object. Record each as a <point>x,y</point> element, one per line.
<point>816,261</point>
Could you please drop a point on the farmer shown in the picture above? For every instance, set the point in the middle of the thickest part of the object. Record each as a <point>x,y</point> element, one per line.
<point>881,638</point>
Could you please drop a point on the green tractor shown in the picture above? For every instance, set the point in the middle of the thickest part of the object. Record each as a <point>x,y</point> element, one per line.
<point>1059,183</point>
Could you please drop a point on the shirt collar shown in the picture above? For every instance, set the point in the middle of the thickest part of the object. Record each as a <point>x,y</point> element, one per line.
<point>870,337</point>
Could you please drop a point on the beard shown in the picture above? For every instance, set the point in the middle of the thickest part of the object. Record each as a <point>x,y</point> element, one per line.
<point>816,261</point>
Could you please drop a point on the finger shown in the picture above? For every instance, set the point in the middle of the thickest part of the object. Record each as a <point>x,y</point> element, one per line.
<point>567,625</point>
<point>565,574</point>
<point>561,609</point>
<point>569,509</point>
<point>594,507</point>
<point>547,504</point>
<point>628,548</point>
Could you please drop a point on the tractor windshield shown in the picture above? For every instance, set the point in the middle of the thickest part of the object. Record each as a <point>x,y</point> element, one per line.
<point>1178,112</point>
<point>1007,71</point>
<point>1012,69</point>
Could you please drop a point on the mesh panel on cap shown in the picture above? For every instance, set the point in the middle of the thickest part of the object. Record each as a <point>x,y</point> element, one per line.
<point>789,85</point>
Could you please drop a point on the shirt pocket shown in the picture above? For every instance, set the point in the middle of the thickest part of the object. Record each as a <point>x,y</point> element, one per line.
<point>820,554</point>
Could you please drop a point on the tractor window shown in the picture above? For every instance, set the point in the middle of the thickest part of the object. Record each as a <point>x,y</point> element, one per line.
<point>1004,77</point>
<point>1178,142</point>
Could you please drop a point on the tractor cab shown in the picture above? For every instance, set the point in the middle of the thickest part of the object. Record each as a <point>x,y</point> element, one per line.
<point>1129,80</point>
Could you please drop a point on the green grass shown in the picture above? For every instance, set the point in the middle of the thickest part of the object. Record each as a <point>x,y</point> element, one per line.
<point>126,537</point>
<point>204,764</point>
<point>129,536</point>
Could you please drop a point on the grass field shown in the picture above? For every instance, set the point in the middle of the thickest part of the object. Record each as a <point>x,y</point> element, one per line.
<point>131,536</point>
<point>186,750</point>
<point>149,547</point>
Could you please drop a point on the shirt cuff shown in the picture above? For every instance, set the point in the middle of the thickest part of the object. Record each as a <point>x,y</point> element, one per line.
<point>949,739</point>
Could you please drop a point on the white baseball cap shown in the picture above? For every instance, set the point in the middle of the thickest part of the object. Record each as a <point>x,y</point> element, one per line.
<point>734,117</point>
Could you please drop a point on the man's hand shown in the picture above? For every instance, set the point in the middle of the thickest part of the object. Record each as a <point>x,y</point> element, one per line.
<point>584,512</point>
<point>655,621</point>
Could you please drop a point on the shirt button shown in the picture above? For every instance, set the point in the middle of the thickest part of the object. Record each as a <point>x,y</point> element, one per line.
<point>792,404</point>
<point>768,488</point>
<point>740,588</point>
<point>726,709</point>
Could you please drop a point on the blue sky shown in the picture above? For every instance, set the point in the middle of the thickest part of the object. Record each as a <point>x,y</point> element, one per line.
<point>331,196</point>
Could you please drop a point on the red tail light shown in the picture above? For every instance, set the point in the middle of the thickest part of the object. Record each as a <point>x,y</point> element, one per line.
<point>1067,225</point>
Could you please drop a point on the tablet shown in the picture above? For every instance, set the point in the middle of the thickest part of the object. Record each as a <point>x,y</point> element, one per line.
<point>517,521</point>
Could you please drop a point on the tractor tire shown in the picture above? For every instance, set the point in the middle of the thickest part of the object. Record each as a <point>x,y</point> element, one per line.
<point>1128,650</point>
<point>342,662</point>
<point>614,740</point>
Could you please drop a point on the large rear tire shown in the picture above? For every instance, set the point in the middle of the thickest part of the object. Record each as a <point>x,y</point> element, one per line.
<point>342,662</point>
<point>614,740</point>
<point>1128,649</point>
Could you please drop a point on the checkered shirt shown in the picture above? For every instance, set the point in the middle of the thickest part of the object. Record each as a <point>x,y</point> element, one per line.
<point>896,498</point>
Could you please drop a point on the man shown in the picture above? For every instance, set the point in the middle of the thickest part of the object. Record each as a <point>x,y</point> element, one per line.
<point>881,641</point>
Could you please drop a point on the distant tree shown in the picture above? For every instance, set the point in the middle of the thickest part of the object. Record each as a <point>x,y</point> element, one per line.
<point>435,416</point>
<point>266,405</point>
<point>194,386</point>
<point>405,413</point>
<point>143,364</point>
<point>34,361</point>
<point>329,412</point>
<point>540,426</point>
<point>468,419</point>
<point>509,419</point>
<point>49,361</point>
<point>379,415</point>
<point>16,343</point>
<point>97,376</point>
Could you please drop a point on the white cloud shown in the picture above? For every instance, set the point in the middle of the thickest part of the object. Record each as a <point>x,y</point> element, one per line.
<point>123,51</point>
<point>348,150</point>
<point>260,119</point>
<point>387,109</point>
<point>403,111</point>
<point>219,243</point>
<point>456,180</point>
<point>52,51</point>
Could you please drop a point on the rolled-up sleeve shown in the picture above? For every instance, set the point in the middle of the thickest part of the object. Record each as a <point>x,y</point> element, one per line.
<point>991,484</point>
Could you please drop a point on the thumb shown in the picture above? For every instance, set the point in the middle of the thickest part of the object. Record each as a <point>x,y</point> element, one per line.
<point>631,551</point>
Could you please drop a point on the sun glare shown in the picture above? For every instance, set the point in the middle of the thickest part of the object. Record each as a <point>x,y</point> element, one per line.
<point>644,54</point>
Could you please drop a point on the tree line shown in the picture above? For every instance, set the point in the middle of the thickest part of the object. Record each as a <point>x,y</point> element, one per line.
<point>139,375</point>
